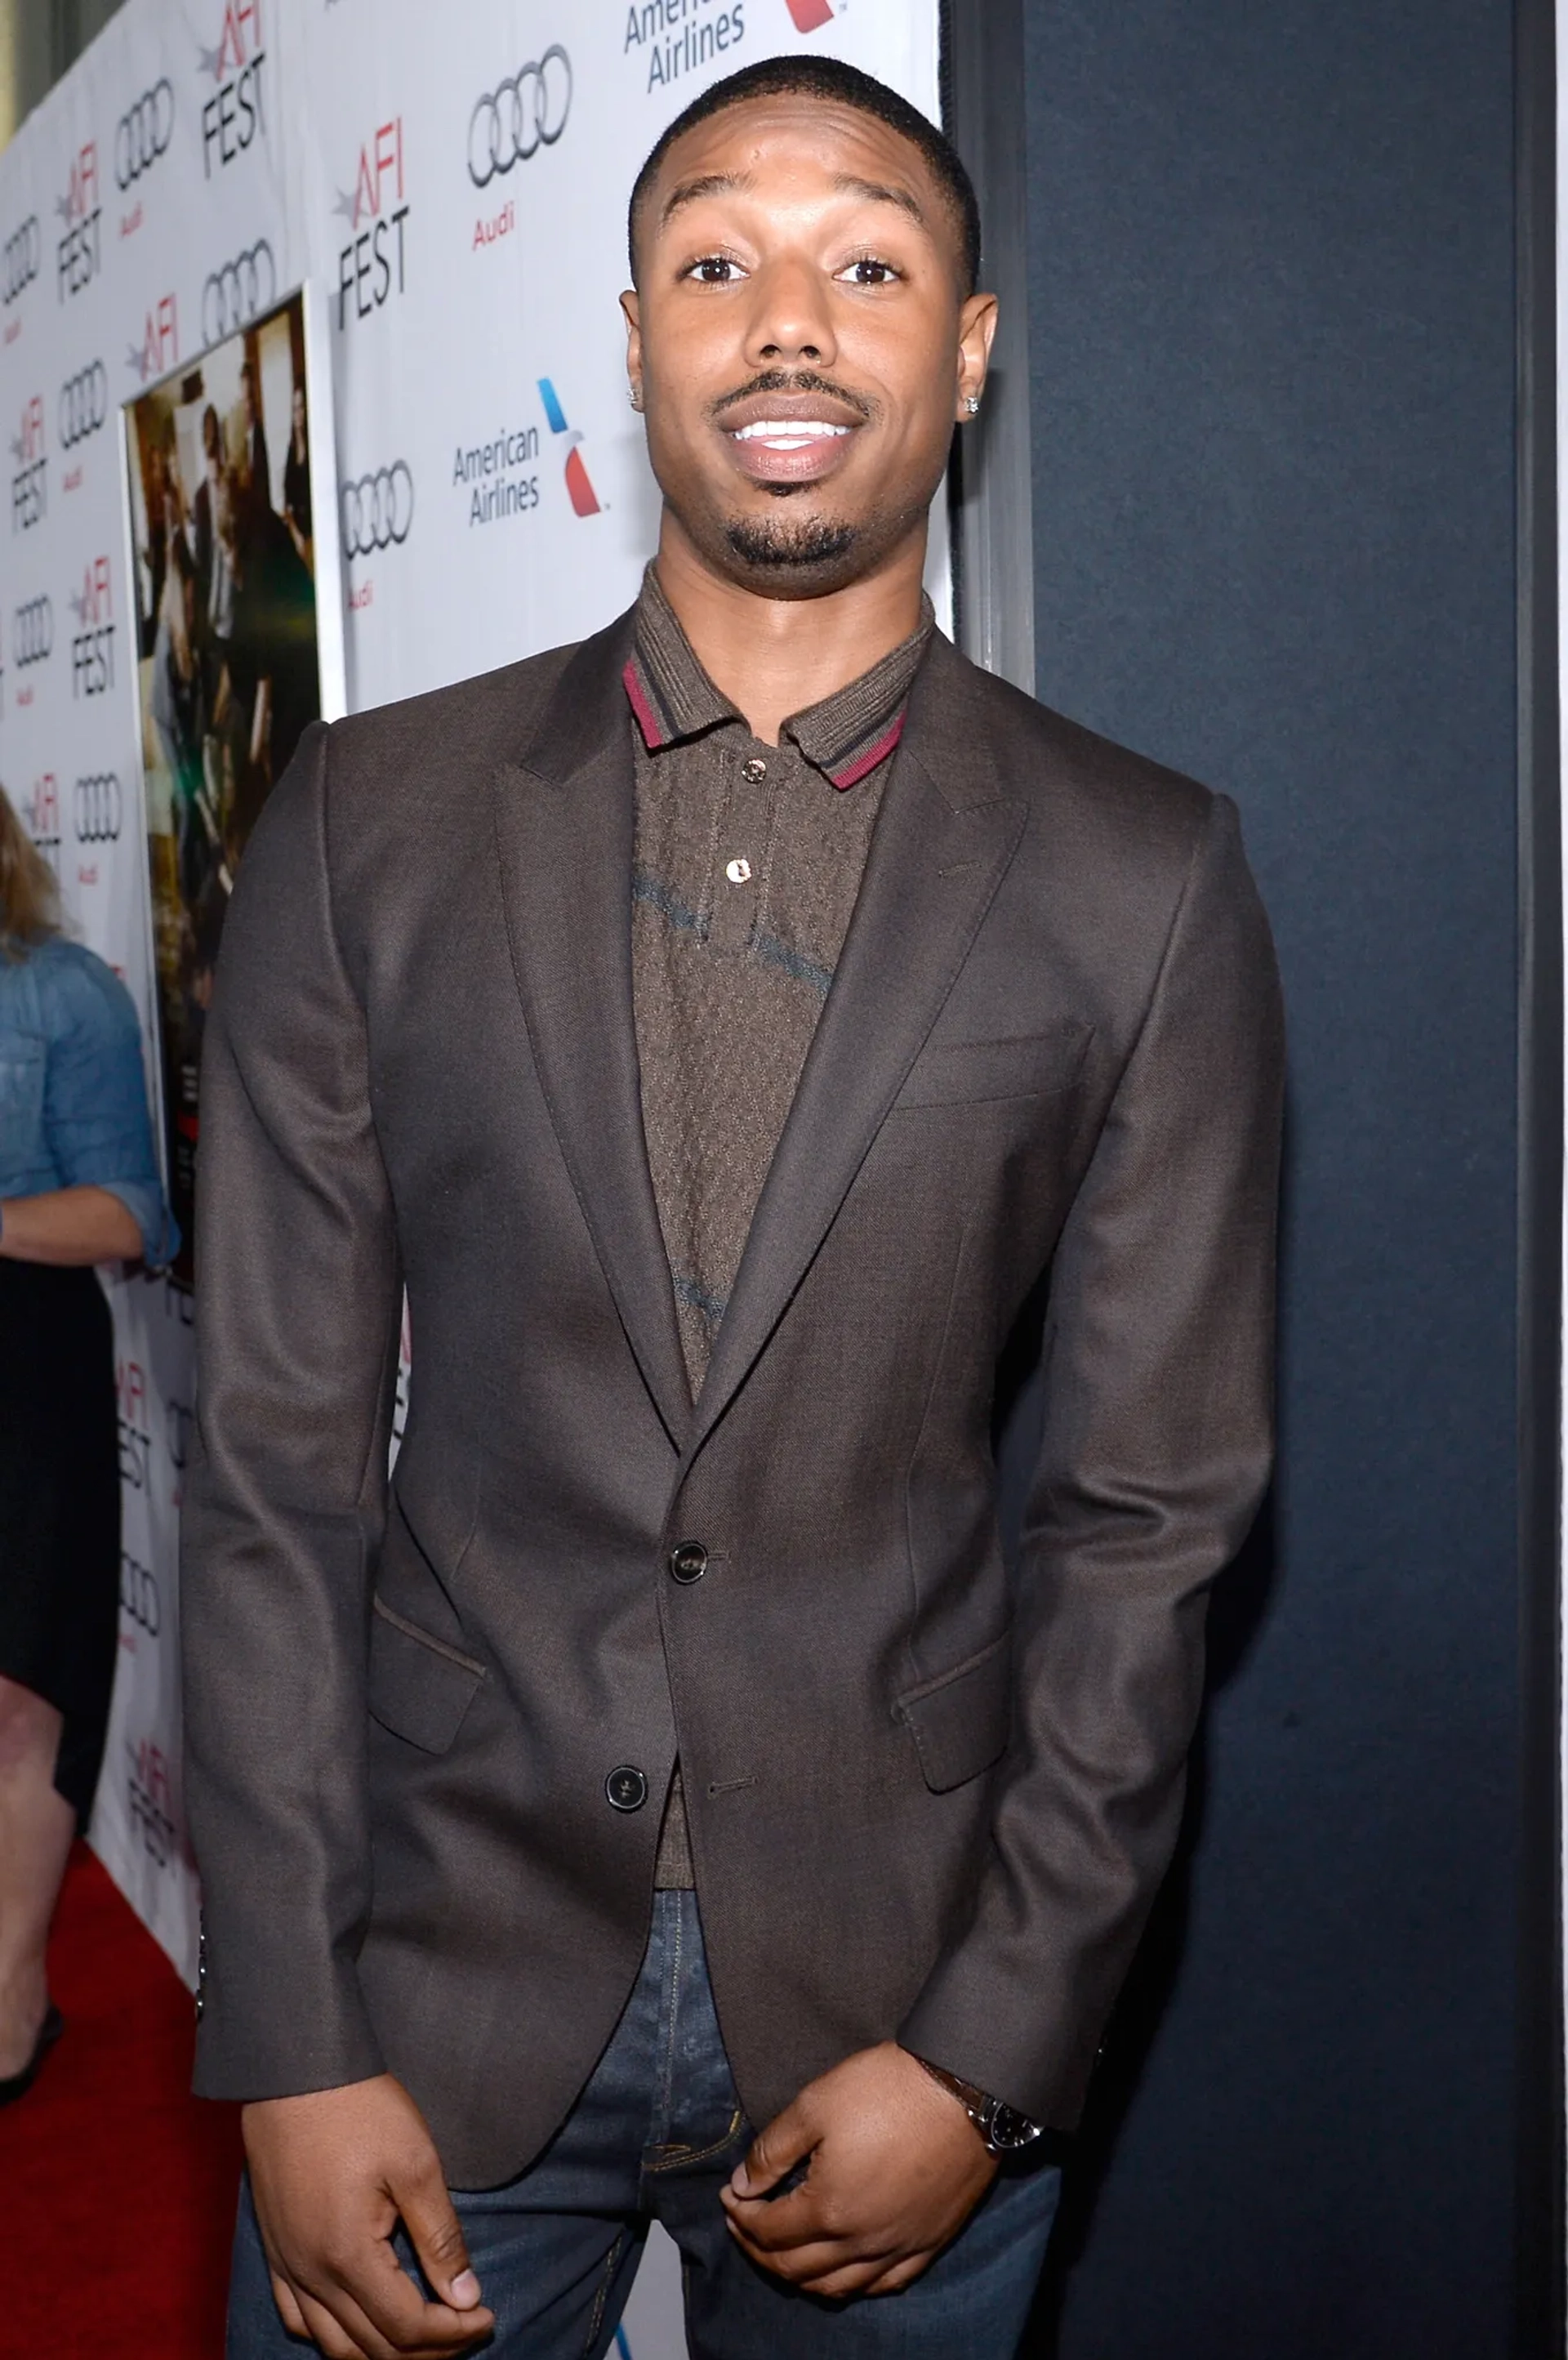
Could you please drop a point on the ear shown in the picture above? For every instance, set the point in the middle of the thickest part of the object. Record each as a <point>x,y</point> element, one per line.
<point>977,332</point>
<point>631,306</point>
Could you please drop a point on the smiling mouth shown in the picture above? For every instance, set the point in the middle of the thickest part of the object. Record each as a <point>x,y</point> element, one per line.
<point>788,433</point>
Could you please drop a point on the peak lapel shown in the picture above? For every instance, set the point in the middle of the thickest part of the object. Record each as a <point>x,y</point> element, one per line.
<point>564,821</point>
<point>937,857</point>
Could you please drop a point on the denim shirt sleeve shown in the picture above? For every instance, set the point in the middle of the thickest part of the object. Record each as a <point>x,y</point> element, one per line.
<point>96,1125</point>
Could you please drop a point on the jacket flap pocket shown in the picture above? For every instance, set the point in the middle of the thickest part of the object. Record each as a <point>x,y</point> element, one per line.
<point>420,1689</point>
<point>1030,1065</point>
<point>961,1720</point>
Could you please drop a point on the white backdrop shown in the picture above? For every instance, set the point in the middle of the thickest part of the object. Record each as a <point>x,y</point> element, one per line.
<point>456,179</point>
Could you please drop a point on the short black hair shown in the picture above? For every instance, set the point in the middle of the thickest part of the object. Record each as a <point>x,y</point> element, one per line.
<point>828,78</point>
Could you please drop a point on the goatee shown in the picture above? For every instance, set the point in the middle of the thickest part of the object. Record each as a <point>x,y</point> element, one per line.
<point>779,547</point>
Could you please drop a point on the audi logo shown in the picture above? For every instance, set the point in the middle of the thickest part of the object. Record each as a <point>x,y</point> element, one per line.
<point>21,258</point>
<point>232,296</point>
<point>143,132</point>
<point>98,809</point>
<point>138,1595</point>
<point>526,113</point>
<point>378,510</point>
<point>83,404</point>
<point>32,633</point>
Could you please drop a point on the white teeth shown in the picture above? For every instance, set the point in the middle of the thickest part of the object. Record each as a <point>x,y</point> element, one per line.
<point>788,433</point>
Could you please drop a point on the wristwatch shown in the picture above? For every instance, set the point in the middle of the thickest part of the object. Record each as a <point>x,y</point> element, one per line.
<point>1004,2130</point>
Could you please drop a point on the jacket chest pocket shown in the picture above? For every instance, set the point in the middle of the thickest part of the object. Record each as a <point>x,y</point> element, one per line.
<point>22,1069</point>
<point>1025,1065</point>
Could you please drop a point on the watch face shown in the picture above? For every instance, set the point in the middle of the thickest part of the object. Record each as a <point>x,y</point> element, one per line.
<point>1009,2130</point>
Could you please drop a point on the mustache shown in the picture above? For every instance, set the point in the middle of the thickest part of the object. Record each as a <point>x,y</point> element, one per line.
<point>791,381</point>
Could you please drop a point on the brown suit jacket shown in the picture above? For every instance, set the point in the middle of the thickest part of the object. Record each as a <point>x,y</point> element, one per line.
<point>929,1796</point>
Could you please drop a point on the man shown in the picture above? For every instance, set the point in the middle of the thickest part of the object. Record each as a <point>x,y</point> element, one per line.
<point>668,1803</point>
<point>254,468</point>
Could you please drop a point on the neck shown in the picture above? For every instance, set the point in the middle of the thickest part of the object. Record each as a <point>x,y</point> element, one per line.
<point>773,657</point>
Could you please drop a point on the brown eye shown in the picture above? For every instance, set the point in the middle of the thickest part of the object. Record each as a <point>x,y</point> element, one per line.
<point>713,270</point>
<point>869,272</point>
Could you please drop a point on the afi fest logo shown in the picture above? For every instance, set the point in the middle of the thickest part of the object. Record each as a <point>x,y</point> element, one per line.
<point>808,15</point>
<point>77,257</point>
<point>584,501</point>
<point>93,646</point>
<point>150,1799</point>
<point>159,347</point>
<point>29,490</point>
<point>377,214</point>
<point>40,817</point>
<point>234,113</point>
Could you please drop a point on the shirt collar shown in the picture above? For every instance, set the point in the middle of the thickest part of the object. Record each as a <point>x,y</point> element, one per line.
<point>844,737</point>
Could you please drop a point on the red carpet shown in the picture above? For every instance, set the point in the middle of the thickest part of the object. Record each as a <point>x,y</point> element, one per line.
<point>116,2187</point>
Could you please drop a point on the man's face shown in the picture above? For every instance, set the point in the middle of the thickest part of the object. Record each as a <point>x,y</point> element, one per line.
<point>800,342</point>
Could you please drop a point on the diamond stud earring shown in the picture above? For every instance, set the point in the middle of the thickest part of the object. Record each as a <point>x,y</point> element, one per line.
<point>972,405</point>
<point>634,395</point>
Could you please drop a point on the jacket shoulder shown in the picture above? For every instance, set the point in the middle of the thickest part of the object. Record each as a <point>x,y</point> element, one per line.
<point>1118,802</point>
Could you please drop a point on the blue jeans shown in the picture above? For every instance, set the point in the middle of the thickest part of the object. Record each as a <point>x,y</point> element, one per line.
<point>654,2136</point>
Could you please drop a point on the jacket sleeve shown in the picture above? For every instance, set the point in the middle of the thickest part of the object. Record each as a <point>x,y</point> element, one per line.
<point>297,1303</point>
<point>1158,1437</point>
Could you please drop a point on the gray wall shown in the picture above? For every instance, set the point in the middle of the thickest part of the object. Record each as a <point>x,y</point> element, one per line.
<point>1272,364</point>
<point>38,39</point>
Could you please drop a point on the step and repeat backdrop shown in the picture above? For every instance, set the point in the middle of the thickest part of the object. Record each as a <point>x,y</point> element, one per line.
<point>451,183</point>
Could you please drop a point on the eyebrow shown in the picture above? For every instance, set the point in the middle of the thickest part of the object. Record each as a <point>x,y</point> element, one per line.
<point>881,193</point>
<point>707,184</point>
<point>849,184</point>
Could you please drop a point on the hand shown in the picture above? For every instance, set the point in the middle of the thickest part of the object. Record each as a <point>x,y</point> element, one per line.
<point>331,2173</point>
<point>895,2169</point>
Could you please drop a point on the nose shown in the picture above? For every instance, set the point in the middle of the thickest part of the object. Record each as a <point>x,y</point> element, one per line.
<point>790,320</point>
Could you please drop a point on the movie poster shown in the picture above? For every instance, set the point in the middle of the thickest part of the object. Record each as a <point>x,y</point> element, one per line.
<point>233,517</point>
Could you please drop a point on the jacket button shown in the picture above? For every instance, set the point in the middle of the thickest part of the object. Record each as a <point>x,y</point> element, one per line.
<point>626,1789</point>
<point>688,1562</point>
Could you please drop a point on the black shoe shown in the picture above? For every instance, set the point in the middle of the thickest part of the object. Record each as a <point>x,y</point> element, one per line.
<point>20,2083</point>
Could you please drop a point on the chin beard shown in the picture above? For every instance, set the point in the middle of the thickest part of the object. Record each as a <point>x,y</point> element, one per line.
<point>790,551</point>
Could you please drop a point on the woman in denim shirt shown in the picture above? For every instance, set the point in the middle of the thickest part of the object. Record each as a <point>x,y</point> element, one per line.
<point>77,1185</point>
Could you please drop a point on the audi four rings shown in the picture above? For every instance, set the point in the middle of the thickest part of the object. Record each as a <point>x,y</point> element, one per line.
<point>83,404</point>
<point>232,296</point>
<point>97,808</point>
<point>143,132</point>
<point>21,258</point>
<point>32,633</point>
<point>527,112</point>
<point>377,509</point>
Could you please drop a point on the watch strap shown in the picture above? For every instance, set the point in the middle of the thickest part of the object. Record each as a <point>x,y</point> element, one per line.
<point>983,2109</point>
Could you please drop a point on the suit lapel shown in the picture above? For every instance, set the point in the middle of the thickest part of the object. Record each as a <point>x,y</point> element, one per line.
<point>564,821</point>
<point>938,854</point>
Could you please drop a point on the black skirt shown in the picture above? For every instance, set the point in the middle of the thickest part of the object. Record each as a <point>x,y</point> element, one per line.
<point>59,1507</point>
